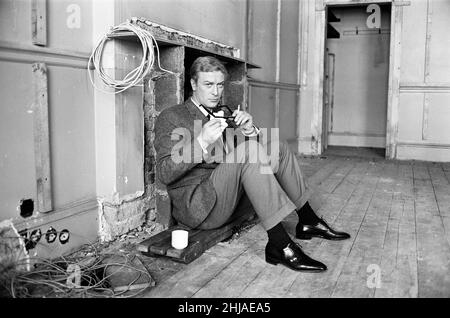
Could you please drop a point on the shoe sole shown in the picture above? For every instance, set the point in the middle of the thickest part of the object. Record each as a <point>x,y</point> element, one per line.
<point>308,237</point>
<point>275,262</point>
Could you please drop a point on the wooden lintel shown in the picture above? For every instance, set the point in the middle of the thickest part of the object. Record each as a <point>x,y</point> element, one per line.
<point>41,138</point>
<point>320,4</point>
<point>39,22</point>
<point>402,3</point>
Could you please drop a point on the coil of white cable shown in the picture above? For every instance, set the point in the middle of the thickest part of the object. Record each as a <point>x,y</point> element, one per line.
<point>135,76</point>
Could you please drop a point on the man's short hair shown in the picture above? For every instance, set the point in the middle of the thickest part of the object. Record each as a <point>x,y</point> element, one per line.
<point>206,64</point>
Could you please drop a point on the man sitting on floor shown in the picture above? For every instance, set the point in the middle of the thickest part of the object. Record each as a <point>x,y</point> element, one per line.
<point>207,172</point>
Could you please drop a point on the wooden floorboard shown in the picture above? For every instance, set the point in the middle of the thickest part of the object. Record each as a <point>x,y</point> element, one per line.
<point>239,273</point>
<point>329,252</point>
<point>432,246</point>
<point>398,215</point>
<point>368,242</point>
<point>333,181</point>
<point>399,257</point>
<point>317,177</point>
<point>441,189</point>
<point>446,209</point>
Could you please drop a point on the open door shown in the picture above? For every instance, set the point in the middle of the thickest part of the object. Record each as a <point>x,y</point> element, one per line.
<point>356,75</point>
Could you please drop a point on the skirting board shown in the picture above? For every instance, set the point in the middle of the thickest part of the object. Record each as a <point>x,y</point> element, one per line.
<point>357,140</point>
<point>423,153</point>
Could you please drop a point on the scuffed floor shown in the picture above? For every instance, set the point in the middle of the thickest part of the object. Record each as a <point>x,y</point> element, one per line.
<point>397,212</point>
<point>398,215</point>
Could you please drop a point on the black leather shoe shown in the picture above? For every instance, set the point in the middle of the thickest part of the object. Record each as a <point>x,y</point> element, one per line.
<point>320,229</point>
<point>293,257</point>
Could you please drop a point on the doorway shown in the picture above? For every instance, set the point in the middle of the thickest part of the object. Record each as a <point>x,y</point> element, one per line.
<point>356,76</point>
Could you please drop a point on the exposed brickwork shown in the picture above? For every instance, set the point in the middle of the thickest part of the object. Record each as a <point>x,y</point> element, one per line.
<point>13,254</point>
<point>161,90</point>
<point>117,219</point>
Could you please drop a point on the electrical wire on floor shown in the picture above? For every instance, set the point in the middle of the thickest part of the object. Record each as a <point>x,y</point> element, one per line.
<point>75,276</point>
<point>134,77</point>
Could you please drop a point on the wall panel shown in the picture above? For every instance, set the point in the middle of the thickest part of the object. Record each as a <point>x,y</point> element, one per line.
<point>17,167</point>
<point>15,21</point>
<point>263,32</point>
<point>439,60</point>
<point>413,43</point>
<point>72,135</point>
<point>424,114</point>
<point>289,41</point>
<point>438,118</point>
<point>263,110</point>
<point>410,114</point>
<point>288,115</point>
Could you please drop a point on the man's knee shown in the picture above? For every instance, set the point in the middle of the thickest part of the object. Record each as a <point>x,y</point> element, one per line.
<point>255,152</point>
<point>277,150</point>
<point>252,151</point>
<point>276,145</point>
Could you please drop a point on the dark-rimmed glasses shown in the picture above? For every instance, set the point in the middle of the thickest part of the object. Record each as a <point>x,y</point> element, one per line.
<point>216,109</point>
<point>229,119</point>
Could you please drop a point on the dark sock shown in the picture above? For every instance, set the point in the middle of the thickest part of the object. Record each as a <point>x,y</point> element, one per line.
<point>306,215</point>
<point>278,236</point>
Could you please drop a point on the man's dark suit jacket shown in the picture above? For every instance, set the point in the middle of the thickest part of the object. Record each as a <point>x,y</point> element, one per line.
<point>191,191</point>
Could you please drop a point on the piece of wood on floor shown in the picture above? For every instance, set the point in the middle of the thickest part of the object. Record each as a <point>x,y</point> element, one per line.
<point>194,276</point>
<point>198,242</point>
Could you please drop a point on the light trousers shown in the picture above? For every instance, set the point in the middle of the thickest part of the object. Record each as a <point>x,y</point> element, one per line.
<point>269,174</point>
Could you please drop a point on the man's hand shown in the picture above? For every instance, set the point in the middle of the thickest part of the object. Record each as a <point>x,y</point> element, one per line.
<point>243,119</point>
<point>211,131</point>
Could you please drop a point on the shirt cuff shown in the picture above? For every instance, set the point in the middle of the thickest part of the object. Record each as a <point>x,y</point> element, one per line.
<point>252,132</point>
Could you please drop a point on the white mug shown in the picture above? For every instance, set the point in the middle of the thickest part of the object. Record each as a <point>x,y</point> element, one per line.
<point>179,239</point>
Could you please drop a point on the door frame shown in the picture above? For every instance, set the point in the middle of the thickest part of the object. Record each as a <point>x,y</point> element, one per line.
<point>394,72</point>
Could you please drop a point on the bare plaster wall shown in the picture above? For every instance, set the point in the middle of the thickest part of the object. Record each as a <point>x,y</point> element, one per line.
<point>70,104</point>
